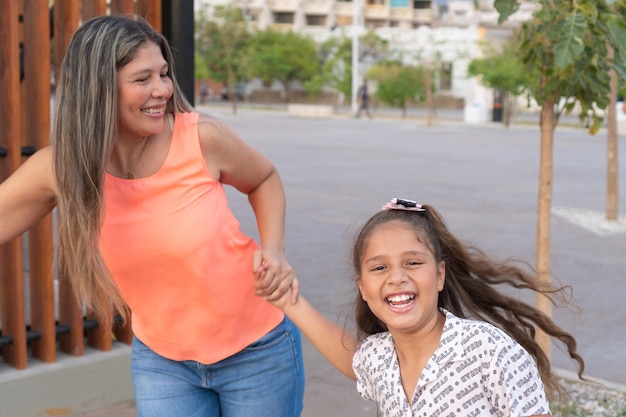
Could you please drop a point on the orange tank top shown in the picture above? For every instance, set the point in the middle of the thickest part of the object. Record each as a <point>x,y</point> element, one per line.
<point>179,258</point>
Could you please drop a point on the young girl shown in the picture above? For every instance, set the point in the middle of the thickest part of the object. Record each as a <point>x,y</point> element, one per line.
<point>435,338</point>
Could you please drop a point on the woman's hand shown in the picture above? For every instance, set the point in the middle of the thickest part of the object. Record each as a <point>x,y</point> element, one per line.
<point>275,280</point>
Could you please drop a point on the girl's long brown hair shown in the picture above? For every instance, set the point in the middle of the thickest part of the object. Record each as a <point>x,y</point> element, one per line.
<point>469,289</point>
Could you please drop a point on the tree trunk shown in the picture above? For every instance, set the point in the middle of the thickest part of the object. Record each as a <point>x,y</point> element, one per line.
<point>547,124</point>
<point>287,85</point>
<point>612,190</point>
<point>266,94</point>
<point>509,108</point>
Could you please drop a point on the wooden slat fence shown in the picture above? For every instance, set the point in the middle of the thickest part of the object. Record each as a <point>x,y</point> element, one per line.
<point>26,66</point>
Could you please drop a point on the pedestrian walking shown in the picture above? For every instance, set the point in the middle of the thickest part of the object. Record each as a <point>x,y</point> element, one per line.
<point>204,92</point>
<point>364,100</point>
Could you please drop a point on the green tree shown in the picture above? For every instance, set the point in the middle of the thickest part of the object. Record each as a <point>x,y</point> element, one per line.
<point>336,56</point>
<point>504,71</point>
<point>336,70</point>
<point>398,84</point>
<point>219,45</point>
<point>201,68</point>
<point>565,49</point>
<point>262,62</point>
<point>431,62</point>
<point>282,56</point>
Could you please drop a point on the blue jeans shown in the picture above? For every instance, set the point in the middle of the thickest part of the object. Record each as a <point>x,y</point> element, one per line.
<point>266,379</point>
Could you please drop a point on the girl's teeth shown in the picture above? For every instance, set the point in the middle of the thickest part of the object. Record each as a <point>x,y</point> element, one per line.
<point>400,299</point>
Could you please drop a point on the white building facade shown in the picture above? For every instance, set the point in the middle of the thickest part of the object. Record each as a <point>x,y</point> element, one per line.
<point>452,30</point>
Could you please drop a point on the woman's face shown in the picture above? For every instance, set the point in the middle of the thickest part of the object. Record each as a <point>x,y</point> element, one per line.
<point>144,87</point>
<point>400,278</point>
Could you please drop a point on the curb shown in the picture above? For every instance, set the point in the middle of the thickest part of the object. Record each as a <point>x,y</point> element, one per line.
<point>573,376</point>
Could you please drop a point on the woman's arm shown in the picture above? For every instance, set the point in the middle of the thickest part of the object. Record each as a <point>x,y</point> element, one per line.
<point>235,162</point>
<point>27,195</point>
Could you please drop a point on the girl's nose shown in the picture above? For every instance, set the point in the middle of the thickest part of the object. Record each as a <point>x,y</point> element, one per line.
<point>397,276</point>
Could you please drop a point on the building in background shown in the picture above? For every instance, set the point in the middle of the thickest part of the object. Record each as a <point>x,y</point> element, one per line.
<point>453,30</point>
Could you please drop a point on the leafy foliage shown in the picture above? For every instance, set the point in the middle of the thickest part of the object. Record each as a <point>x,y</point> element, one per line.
<point>398,84</point>
<point>565,47</point>
<point>261,60</point>
<point>336,57</point>
<point>220,42</point>
<point>282,56</point>
<point>503,71</point>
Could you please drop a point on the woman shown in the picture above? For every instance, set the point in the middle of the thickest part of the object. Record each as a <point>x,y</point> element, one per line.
<point>144,225</point>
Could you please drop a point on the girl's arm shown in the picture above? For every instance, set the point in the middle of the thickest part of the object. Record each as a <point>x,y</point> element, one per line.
<point>27,195</point>
<point>334,342</point>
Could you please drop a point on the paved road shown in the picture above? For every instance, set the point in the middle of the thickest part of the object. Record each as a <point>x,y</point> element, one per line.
<point>483,179</point>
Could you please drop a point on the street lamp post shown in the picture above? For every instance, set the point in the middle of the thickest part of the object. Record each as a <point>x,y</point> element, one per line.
<point>356,13</point>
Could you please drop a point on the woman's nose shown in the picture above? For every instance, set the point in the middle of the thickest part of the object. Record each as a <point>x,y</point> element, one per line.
<point>162,87</point>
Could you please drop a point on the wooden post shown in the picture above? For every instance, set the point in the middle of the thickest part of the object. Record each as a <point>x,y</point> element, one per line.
<point>126,7</point>
<point>124,333</point>
<point>100,337</point>
<point>151,11</point>
<point>11,273</point>
<point>36,93</point>
<point>65,23</point>
<point>93,8</point>
<point>70,315</point>
<point>70,312</point>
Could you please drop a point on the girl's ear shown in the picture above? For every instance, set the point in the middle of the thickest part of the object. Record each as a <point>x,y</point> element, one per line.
<point>359,283</point>
<point>441,275</point>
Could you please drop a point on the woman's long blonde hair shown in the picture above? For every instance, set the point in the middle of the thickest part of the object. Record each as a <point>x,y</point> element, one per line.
<point>83,135</point>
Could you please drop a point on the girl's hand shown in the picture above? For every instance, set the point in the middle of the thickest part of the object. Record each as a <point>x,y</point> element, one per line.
<point>274,279</point>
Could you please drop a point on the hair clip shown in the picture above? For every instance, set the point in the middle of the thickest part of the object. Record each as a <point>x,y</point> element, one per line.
<point>402,204</point>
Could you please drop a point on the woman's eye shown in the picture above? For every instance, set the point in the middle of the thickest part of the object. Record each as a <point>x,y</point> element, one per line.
<point>165,75</point>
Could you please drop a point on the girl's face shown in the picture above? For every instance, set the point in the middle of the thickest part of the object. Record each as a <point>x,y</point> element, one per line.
<point>400,278</point>
<point>144,87</point>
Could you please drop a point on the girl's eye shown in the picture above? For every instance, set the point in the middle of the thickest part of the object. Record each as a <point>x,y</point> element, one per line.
<point>165,75</point>
<point>378,268</point>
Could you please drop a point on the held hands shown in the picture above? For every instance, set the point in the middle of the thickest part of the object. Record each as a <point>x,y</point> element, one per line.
<point>274,279</point>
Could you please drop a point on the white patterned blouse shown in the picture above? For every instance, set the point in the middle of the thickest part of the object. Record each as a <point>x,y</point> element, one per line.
<point>478,370</point>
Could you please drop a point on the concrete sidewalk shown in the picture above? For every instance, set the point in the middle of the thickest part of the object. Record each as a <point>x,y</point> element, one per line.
<point>482,178</point>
